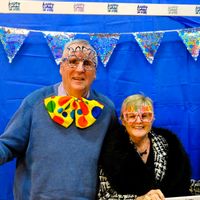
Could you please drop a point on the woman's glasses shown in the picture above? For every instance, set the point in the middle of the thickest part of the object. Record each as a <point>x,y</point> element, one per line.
<point>131,117</point>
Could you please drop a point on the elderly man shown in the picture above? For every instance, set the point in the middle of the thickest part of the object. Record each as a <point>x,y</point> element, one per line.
<point>57,133</point>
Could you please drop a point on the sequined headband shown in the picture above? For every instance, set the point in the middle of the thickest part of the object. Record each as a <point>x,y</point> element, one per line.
<point>88,53</point>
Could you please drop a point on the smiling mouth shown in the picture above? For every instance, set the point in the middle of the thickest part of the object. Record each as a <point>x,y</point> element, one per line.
<point>78,79</point>
<point>138,127</point>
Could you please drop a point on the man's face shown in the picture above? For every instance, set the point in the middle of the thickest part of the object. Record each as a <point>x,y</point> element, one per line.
<point>78,69</point>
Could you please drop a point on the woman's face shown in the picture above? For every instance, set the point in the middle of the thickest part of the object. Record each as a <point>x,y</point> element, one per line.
<point>138,122</point>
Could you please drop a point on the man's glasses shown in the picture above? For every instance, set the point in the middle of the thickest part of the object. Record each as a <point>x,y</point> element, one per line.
<point>131,117</point>
<point>73,62</point>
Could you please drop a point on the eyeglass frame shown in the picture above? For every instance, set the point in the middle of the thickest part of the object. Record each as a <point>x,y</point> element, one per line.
<point>74,66</point>
<point>138,114</point>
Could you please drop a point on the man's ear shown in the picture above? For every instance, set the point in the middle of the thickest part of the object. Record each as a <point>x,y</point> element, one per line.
<point>61,68</point>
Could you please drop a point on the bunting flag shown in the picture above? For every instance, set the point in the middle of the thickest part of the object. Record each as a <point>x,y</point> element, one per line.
<point>149,43</point>
<point>12,39</point>
<point>104,44</point>
<point>1,32</point>
<point>191,39</point>
<point>56,42</point>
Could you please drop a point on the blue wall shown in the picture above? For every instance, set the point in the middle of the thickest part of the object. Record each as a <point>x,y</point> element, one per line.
<point>172,81</point>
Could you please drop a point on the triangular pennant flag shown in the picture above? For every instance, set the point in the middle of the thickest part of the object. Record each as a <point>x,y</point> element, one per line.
<point>12,39</point>
<point>104,44</point>
<point>1,32</point>
<point>191,39</point>
<point>149,43</point>
<point>56,42</point>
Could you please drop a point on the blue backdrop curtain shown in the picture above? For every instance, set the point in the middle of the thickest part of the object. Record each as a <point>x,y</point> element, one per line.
<point>172,81</point>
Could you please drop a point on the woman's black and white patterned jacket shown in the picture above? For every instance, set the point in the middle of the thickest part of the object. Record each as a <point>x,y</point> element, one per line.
<point>124,175</point>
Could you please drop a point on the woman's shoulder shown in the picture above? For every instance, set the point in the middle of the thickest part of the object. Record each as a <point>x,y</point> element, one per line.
<point>175,144</point>
<point>176,149</point>
<point>116,139</point>
<point>169,135</point>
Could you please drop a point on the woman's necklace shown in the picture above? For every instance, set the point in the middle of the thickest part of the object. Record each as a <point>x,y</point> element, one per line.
<point>143,153</point>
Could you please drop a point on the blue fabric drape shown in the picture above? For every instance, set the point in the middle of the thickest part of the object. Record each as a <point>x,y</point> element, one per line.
<point>172,81</point>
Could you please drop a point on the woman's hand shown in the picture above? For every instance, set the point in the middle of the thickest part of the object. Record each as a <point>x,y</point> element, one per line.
<point>152,195</point>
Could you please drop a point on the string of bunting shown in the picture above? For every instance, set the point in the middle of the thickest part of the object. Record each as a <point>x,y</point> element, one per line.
<point>104,43</point>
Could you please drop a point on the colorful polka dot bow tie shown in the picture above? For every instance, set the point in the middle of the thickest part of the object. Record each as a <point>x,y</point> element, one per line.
<point>64,109</point>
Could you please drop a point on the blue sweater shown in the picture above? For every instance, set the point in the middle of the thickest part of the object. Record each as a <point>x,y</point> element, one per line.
<point>54,163</point>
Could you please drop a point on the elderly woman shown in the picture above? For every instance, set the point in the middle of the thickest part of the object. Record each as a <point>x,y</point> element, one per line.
<point>139,161</point>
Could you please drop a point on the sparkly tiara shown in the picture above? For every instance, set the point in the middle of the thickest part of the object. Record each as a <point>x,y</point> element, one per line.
<point>88,52</point>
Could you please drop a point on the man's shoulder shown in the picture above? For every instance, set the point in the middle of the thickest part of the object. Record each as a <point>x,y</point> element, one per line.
<point>102,98</point>
<point>41,93</point>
